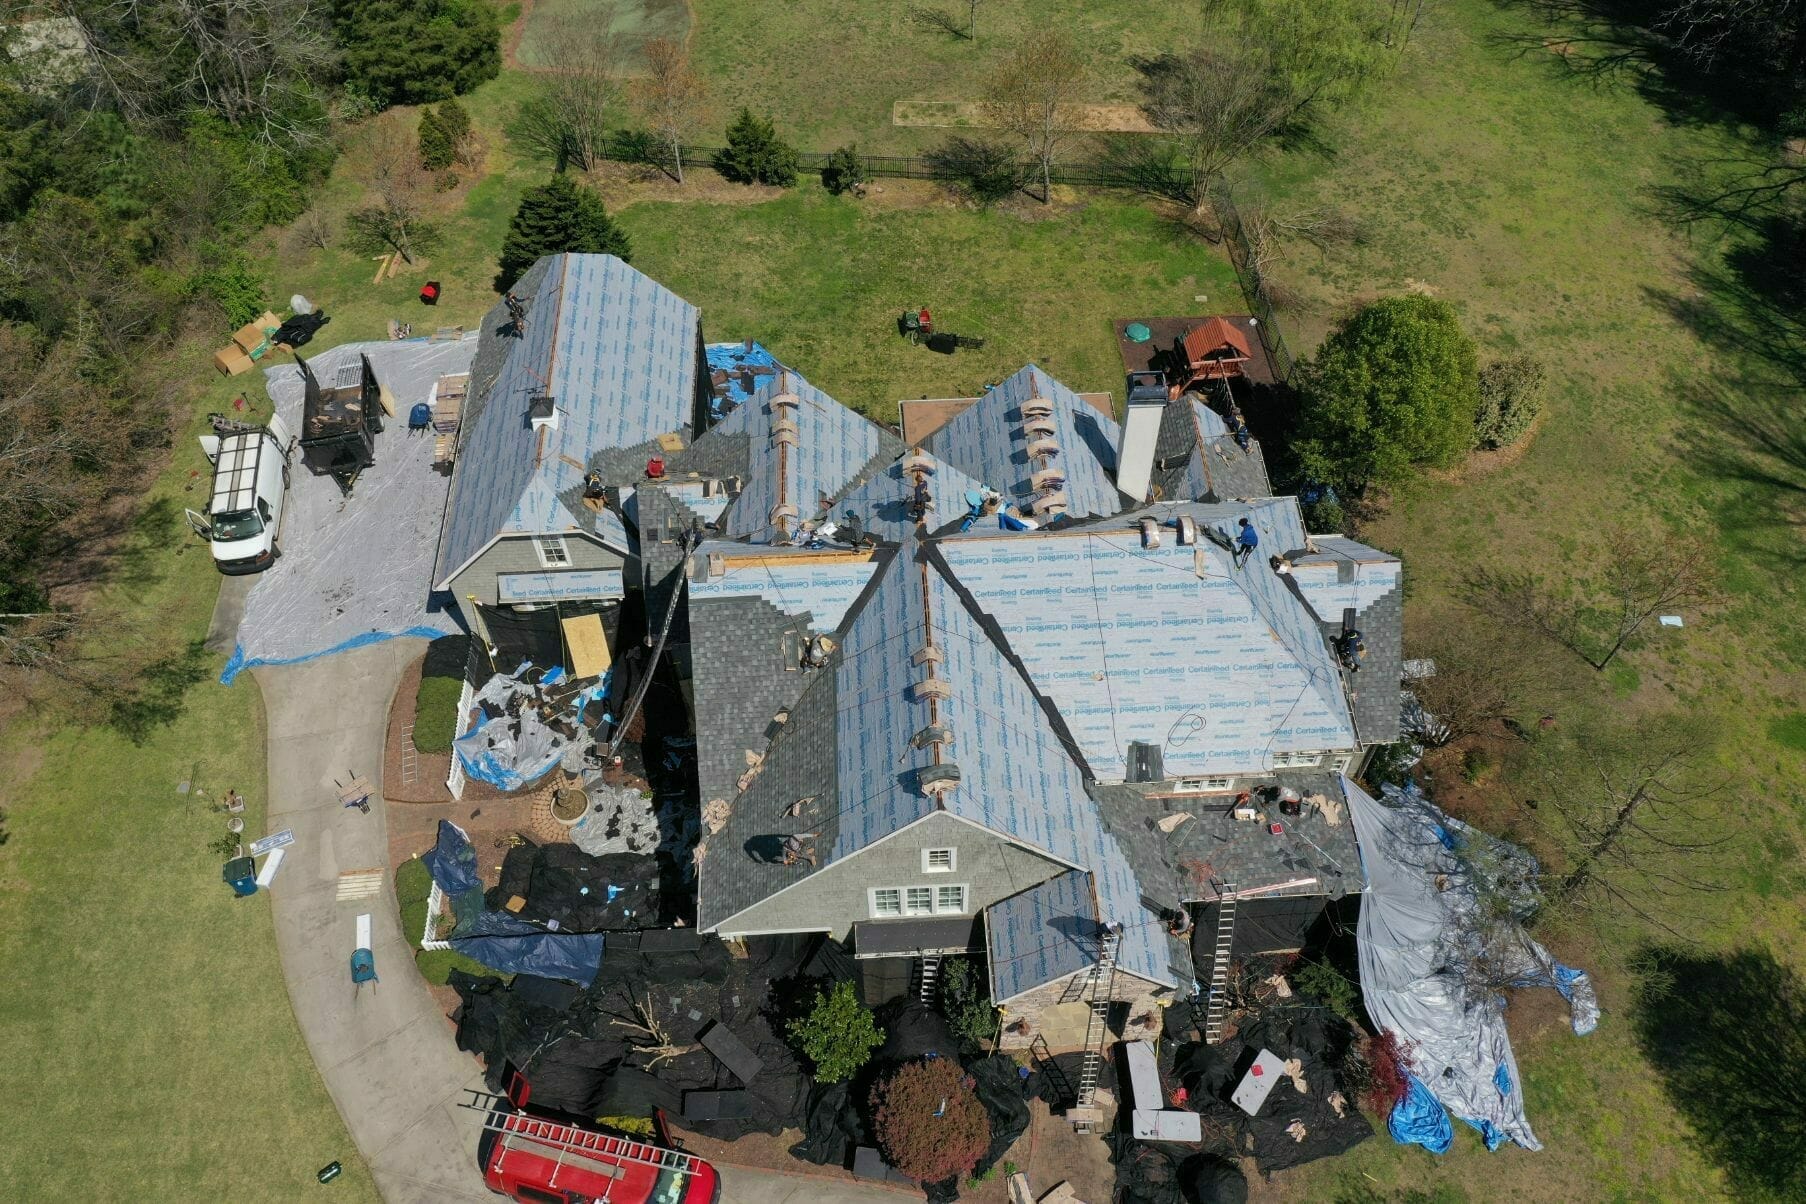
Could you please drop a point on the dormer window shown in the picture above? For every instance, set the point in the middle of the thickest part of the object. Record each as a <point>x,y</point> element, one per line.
<point>939,861</point>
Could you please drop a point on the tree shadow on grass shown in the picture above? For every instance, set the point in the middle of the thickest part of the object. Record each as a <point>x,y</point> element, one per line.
<point>1727,1034</point>
<point>157,694</point>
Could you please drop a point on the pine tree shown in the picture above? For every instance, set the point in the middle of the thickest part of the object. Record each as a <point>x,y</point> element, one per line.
<point>558,216</point>
<point>436,144</point>
<point>455,118</point>
<point>754,153</point>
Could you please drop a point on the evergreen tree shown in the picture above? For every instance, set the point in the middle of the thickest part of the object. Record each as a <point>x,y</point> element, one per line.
<point>417,51</point>
<point>436,145</point>
<point>455,118</point>
<point>558,216</point>
<point>754,153</point>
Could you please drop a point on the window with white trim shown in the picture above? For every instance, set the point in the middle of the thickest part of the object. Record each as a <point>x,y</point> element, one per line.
<point>918,900</point>
<point>553,554</point>
<point>949,900</point>
<point>939,861</point>
<point>1296,760</point>
<point>887,901</point>
<point>1202,785</point>
<point>890,902</point>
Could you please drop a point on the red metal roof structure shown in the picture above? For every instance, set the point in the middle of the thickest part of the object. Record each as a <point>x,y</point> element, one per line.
<point>1215,348</point>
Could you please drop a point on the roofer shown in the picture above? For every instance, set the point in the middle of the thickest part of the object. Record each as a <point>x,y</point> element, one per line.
<point>1246,540</point>
<point>1238,426</point>
<point>1350,649</point>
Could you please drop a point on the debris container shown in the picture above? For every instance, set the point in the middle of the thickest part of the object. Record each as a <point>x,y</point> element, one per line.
<point>240,874</point>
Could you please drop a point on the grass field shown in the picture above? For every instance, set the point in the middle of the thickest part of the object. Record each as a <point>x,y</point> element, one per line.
<point>151,1050</point>
<point>631,24</point>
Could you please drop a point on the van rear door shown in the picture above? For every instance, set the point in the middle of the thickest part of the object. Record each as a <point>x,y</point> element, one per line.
<point>199,524</point>
<point>284,436</point>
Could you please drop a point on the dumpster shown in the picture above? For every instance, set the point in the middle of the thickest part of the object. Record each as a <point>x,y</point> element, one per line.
<point>240,874</point>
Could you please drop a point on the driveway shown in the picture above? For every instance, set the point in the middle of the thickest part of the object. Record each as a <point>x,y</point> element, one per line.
<point>386,1052</point>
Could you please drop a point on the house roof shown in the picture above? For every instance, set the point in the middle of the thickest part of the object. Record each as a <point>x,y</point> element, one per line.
<point>989,442</point>
<point>1215,339</point>
<point>795,581</point>
<point>1341,575</point>
<point>1173,645</point>
<point>914,658</point>
<point>617,353</point>
<point>802,449</point>
<point>881,497</point>
<point>1197,459</point>
<point>1043,934</point>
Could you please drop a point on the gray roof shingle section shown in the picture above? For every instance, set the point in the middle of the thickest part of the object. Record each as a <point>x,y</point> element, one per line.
<point>741,865</point>
<point>1044,933</point>
<point>1196,459</point>
<point>1339,575</point>
<point>1175,646</point>
<point>986,441</point>
<point>615,349</point>
<point>741,678</point>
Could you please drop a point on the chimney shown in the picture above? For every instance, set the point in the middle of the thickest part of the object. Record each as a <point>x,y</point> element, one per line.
<point>1140,433</point>
<point>542,411</point>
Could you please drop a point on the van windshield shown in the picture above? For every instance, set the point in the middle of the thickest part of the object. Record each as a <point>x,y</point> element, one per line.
<point>238,524</point>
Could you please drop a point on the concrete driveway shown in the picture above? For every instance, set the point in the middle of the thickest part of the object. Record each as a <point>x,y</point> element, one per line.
<point>386,1052</point>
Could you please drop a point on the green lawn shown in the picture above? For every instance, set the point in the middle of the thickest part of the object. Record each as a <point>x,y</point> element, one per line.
<point>631,23</point>
<point>151,1050</point>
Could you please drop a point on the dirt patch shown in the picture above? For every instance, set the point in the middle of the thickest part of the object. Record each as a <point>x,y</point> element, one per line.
<point>622,184</point>
<point>1482,801</point>
<point>1480,464</point>
<point>970,114</point>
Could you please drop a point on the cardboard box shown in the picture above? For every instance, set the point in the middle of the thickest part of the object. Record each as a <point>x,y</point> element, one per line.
<point>230,361</point>
<point>252,334</point>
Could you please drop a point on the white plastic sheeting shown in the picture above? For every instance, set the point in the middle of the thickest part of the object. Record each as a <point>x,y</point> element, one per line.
<point>359,569</point>
<point>1427,953</point>
<point>620,820</point>
<point>508,751</point>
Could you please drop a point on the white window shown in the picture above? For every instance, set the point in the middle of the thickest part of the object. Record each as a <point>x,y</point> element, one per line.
<point>939,861</point>
<point>1296,760</point>
<point>552,552</point>
<point>918,900</point>
<point>1202,785</point>
<point>887,901</point>
<point>949,899</point>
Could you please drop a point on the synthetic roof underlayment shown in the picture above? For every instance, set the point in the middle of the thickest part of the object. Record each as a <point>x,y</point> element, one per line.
<point>1174,645</point>
<point>617,353</point>
<point>1042,934</point>
<point>881,500</point>
<point>1344,575</point>
<point>829,447</point>
<point>794,580</point>
<point>1015,776</point>
<point>988,441</point>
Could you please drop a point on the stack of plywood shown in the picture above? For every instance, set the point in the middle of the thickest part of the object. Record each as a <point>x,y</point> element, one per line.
<point>448,410</point>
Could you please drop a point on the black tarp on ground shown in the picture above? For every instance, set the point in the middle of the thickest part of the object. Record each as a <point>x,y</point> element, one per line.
<point>616,892</point>
<point>1147,1174</point>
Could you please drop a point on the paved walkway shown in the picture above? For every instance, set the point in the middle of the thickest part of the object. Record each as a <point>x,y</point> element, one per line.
<point>387,1053</point>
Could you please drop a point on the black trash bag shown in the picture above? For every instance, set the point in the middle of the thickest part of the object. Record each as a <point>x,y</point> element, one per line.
<point>1206,1179</point>
<point>913,1031</point>
<point>1145,1174</point>
<point>571,1076</point>
<point>832,1126</point>
<point>1002,1090</point>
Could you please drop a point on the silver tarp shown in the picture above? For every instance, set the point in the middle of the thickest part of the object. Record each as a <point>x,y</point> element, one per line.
<point>1441,932</point>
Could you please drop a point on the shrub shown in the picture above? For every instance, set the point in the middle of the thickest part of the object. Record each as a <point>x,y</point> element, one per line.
<point>844,170</point>
<point>985,171</point>
<point>1511,396</point>
<point>436,716</point>
<point>559,215</point>
<point>754,153</point>
<point>1390,763</point>
<point>1392,389</point>
<point>1388,1068</point>
<point>965,1002</point>
<point>1331,986</point>
<point>838,1035</point>
<point>929,1122</point>
<point>1477,765</point>
<point>1325,516</point>
<point>455,119</point>
<point>635,146</point>
<point>233,286</point>
<point>435,142</point>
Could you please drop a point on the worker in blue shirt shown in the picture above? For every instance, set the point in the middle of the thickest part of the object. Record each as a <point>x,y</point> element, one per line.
<point>1246,541</point>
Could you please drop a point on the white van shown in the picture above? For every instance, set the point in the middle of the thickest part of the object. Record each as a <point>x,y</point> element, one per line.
<point>243,519</point>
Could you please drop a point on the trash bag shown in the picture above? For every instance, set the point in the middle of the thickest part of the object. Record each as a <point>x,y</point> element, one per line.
<point>1205,1179</point>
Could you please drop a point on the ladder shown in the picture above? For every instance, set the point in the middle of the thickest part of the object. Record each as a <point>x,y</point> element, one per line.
<point>928,981</point>
<point>1043,1059</point>
<point>1218,1008</point>
<point>1097,1029</point>
<point>518,1130</point>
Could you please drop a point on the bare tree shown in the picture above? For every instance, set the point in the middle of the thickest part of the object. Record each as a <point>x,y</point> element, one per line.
<point>395,189</point>
<point>1031,95</point>
<point>948,21</point>
<point>1215,103</point>
<point>1597,614</point>
<point>1631,813</point>
<point>668,97</point>
<point>1482,678</point>
<point>580,92</point>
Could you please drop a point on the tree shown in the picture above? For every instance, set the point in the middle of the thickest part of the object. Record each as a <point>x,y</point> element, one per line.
<point>1628,811</point>
<point>949,22</point>
<point>395,186</point>
<point>754,153</point>
<point>838,1035</point>
<point>1613,590</point>
<point>1483,677</point>
<point>558,216</point>
<point>1214,103</point>
<point>580,94</point>
<point>1031,95</point>
<point>668,97</point>
<point>417,51</point>
<point>929,1121</point>
<point>844,171</point>
<point>965,1002</point>
<point>454,118</point>
<point>1511,396</point>
<point>1392,389</point>
<point>435,142</point>
<point>987,171</point>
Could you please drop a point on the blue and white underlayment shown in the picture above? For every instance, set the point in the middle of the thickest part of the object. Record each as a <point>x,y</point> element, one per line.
<point>356,570</point>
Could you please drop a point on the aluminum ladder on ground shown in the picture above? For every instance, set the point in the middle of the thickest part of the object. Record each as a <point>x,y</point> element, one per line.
<point>928,978</point>
<point>516,1127</point>
<point>1097,1030</point>
<point>1043,1059</point>
<point>1217,1010</point>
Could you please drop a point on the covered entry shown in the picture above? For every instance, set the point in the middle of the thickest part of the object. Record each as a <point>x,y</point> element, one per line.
<point>569,619</point>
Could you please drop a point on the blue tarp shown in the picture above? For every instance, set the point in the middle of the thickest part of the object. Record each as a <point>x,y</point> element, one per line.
<point>1419,1119</point>
<point>513,946</point>
<point>452,862</point>
<point>731,358</point>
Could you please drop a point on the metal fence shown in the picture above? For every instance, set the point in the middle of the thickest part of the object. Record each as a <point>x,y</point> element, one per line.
<point>1247,272</point>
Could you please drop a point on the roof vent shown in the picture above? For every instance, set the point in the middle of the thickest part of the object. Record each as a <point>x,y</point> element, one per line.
<point>1150,533</point>
<point>1036,428</point>
<point>1053,503</point>
<point>1037,407</point>
<point>936,780</point>
<point>933,687</point>
<point>1044,449</point>
<point>1048,480</point>
<point>926,654</point>
<point>931,736</point>
<point>1188,530</point>
<point>919,462</point>
<point>787,401</point>
<point>542,412</point>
